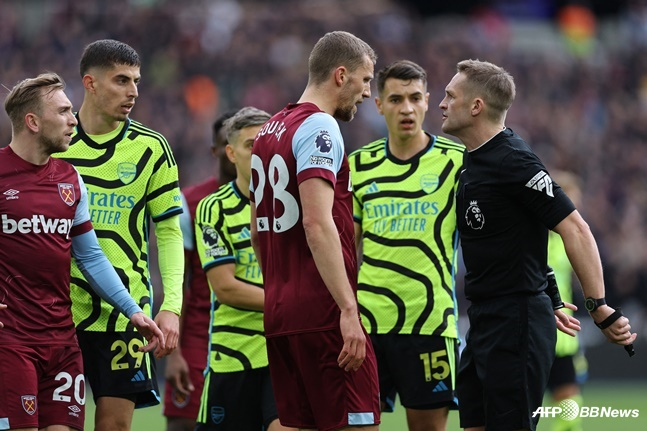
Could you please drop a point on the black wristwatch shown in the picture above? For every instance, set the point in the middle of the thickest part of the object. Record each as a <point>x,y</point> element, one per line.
<point>592,304</point>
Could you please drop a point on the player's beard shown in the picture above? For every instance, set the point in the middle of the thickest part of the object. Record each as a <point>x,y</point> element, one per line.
<point>51,145</point>
<point>345,111</point>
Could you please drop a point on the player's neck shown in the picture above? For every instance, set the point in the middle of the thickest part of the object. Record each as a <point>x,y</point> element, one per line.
<point>404,148</point>
<point>243,185</point>
<point>29,151</point>
<point>96,123</point>
<point>319,97</point>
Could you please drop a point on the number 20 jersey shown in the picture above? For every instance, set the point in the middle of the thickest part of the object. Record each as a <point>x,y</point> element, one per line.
<point>298,143</point>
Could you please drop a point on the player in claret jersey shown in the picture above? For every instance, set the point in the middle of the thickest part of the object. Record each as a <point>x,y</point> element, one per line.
<point>132,178</point>
<point>44,212</point>
<point>302,231</point>
<point>238,382</point>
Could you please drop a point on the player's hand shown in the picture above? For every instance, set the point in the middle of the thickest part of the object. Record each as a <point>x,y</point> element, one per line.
<point>619,332</point>
<point>566,323</point>
<point>149,330</point>
<point>169,323</point>
<point>177,372</point>
<point>354,351</point>
<point>2,307</point>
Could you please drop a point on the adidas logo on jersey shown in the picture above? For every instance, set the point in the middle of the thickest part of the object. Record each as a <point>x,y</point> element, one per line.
<point>244,234</point>
<point>372,188</point>
<point>138,377</point>
<point>541,182</point>
<point>440,387</point>
<point>36,224</point>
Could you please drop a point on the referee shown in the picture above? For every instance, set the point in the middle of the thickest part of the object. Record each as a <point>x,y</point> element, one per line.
<point>506,203</point>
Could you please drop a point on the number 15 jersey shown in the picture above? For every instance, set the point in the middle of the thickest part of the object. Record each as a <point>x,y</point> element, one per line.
<point>299,143</point>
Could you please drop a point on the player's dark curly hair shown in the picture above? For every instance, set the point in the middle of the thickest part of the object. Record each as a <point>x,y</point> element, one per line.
<point>107,53</point>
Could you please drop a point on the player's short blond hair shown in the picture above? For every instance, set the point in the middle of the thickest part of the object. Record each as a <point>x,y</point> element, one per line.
<point>27,96</point>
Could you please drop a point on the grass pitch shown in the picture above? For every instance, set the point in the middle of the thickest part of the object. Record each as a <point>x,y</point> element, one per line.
<point>630,395</point>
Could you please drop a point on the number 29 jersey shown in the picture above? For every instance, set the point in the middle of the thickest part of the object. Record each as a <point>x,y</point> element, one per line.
<point>299,143</point>
<point>131,177</point>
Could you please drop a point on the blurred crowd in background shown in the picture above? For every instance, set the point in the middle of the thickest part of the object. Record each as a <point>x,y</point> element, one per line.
<point>581,81</point>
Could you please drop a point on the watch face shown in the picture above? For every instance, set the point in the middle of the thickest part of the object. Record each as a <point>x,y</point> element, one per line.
<point>589,304</point>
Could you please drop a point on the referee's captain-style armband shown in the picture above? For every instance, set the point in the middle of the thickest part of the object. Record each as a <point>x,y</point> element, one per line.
<point>553,291</point>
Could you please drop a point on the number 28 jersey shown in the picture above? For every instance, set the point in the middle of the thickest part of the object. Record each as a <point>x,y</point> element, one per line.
<point>298,143</point>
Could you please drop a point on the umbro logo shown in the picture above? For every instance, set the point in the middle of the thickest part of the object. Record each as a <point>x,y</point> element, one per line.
<point>11,194</point>
<point>541,182</point>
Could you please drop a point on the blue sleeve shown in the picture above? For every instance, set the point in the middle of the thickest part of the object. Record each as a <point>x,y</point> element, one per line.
<point>100,273</point>
<point>318,143</point>
<point>82,212</point>
<point>186,224</point>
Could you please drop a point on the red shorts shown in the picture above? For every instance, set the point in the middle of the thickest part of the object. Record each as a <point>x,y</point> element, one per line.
<point>179,405</point>
<point>310,389</point>
<point>41,386</point>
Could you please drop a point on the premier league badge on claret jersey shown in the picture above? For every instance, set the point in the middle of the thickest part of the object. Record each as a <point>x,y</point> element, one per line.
<point>323,142</point>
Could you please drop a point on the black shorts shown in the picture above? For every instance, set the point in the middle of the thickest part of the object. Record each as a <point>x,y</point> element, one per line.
<point>421,369</point>
<point>507,360</point>
<point>238,401</point>
<point>114,368</point>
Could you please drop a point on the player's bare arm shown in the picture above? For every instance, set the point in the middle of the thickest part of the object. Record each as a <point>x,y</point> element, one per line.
<point>233,292</point>
<point>317,198</point>
<point>583,254</point>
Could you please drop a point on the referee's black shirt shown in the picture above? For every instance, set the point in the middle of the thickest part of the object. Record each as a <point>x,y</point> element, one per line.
<point>505,204</point>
